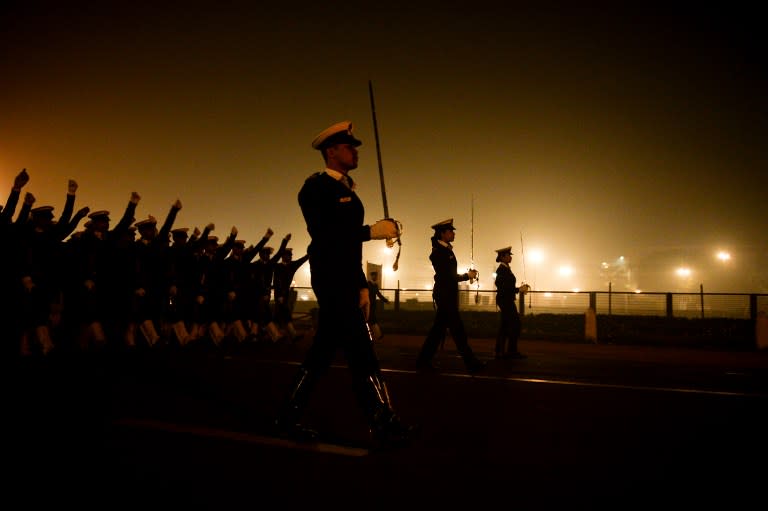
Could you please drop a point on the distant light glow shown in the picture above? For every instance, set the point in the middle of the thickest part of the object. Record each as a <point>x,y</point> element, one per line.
<point>535,255</point>
<point>683,272</point>
<point>723,256</point>
<point>566,271</point>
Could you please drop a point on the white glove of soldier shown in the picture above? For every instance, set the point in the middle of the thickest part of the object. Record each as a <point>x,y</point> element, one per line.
<point>384,229</point>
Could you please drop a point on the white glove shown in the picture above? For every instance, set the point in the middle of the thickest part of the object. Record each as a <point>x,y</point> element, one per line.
<point>472,274</point>
<point>384,229</point>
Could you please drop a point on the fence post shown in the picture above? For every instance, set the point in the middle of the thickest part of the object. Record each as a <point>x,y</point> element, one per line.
<point>669,305</point>
<point>521,306</point>
<point>753,306</point>
<point>761,331</point>
<point>397,297</point>
<point>590,325</point>
<point>610,297</point>
<point>701,294</point>
<point>593,301</point>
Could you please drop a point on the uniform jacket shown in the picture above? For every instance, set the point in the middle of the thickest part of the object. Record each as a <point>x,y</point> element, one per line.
<point>505,286</point>
<point>334,215</point>
<point>446,290</point>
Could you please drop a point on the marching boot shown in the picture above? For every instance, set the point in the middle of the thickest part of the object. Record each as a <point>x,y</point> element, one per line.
<point>44,338</point>
<point>130,336</point>
<point>215,333</point>
<point>274,333</point>
<point>194,332</point>
<point>253,333</point>
<point>180,331</point>
<point>98,337</point>
<point>147,328</point>
<point>386,428</point>
<point>239,330</point>
<point>288,423</point>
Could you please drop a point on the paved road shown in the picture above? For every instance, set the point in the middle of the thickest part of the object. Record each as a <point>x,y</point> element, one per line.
<point>576,425</point>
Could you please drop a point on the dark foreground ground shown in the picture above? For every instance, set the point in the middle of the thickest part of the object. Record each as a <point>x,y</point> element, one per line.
<point>574,425</point>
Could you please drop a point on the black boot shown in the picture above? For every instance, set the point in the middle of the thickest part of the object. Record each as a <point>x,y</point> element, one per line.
<point>387,430</point>
<point>288,424</point>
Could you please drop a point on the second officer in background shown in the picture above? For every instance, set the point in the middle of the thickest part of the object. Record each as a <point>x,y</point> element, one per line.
<point>509,324</point>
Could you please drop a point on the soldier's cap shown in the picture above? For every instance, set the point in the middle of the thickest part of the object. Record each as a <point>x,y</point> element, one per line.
<point>239,243</point>
<point>212,239</point>
<point>180,231</point>
<point>42,211</point>
<point>500,252</point>
<point>101,214</point>
<point>339,133</point>
<point>444,225</point>
<point>266,250</point>
<point>147,222</point>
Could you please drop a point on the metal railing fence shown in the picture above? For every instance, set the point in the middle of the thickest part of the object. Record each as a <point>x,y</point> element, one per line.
<point>663,304</point>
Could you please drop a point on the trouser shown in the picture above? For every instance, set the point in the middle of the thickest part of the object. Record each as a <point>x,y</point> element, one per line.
<point>509,329</point>
<point>353,338</point>
<point>450,319</point>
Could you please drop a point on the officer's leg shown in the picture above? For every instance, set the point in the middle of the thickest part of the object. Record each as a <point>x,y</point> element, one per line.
<point>515,328</point>
<point>318,359</point>
<point>386,428</point>
<point>435,336</point>
<point>501,335</point>
<point>459,335</point>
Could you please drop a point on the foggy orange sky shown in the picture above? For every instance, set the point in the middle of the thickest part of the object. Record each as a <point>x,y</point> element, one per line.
<point>591,132</point>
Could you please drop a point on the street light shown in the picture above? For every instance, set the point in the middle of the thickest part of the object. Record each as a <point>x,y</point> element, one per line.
<point>723,256</point>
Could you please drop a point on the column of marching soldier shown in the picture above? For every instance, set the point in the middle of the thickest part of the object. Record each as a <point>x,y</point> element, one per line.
<point>132,285</point>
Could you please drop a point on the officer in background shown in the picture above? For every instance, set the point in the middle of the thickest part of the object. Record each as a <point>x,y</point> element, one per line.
<point>284,293</point>
<point>445,294</point>
<point>335,215</point>
<point>509,324</point>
